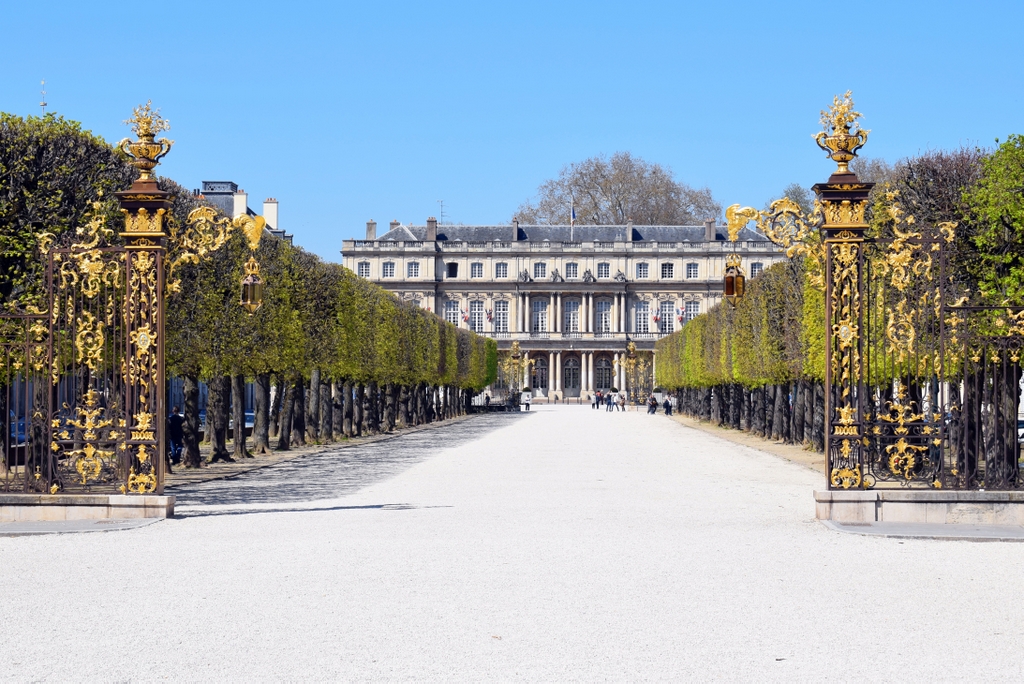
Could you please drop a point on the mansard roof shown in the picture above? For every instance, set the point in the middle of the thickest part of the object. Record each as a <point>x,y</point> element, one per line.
<point>641,233</point>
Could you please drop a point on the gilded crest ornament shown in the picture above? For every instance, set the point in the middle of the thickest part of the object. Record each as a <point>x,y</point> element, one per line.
<point>837,138</point>
<point>147,151</point>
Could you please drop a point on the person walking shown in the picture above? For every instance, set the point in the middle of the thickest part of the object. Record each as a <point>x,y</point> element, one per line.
<point>608,402</point>
<point>667,406</point>
<point>526,400</point>
<point>175,434</point>
<point>621,406</point>
<point>652,405</point>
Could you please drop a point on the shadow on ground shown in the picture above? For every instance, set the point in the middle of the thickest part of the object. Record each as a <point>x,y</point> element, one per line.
<point>331,474</point>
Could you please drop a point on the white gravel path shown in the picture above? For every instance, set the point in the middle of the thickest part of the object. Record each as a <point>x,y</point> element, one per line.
<point>567,544</point>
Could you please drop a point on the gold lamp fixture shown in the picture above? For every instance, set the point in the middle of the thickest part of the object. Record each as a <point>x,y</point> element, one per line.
<point>735,281</point>
<point>252,284</point>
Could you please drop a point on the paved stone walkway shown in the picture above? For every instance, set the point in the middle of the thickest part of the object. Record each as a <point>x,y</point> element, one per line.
<point>566,544</point>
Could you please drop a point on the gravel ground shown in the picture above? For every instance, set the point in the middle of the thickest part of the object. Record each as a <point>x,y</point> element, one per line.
<point>565,544</point>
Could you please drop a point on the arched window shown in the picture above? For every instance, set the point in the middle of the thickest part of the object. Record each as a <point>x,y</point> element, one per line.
<point>572,374</point>
<point>539,376</point>
<point>603,374</point>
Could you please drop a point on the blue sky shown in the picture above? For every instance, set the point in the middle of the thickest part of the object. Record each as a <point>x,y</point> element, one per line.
<point>351,111</point>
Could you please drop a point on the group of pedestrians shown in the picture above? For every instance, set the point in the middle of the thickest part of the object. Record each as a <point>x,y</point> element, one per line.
<point>611,401</point>
<point>616,401</point>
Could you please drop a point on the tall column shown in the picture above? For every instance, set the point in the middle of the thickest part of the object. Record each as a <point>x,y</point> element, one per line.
<point>558,371</point>
<point>526,313</point>
<point>590,313</point>
<point>590,371</point>
<point>616,367</point>
<point>558,313</point>
<point>526,370</point>
<point>615,313</point>
<point>551,372</point>
<point>624,313</point>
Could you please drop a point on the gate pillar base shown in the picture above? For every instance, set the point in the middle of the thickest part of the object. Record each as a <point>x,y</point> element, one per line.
<point>49,508</point>
<point>921,506</point>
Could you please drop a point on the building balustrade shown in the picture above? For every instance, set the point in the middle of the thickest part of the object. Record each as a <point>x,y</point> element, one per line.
<point>707,248</point>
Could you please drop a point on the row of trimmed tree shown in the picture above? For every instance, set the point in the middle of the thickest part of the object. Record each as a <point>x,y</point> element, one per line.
<point>330,355</point>
<point>759,366</point>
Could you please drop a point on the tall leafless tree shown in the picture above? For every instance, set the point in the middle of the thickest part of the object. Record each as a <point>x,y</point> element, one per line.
<point>612,191</point>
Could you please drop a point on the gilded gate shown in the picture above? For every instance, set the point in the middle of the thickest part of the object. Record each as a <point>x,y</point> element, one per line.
<point>922,374</point>
<point>83,384</point>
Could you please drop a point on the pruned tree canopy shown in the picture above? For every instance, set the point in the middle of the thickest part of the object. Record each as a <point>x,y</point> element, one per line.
<point>613,191</point>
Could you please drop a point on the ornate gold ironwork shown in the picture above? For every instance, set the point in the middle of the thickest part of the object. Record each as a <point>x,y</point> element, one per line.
<point>737,218</point>
<point>146,152</point>
<point>88,461</point>
<point>837,139</point>
<point>252,227</point>
<point>89,341</point>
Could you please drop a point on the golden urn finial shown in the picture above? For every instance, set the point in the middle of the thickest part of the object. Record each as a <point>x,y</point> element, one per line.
<point>146,152</point>
<point>837,139</point>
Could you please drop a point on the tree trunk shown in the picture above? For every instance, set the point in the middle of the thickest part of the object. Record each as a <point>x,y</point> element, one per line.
<point>284,436</point>
<point>389,407</point>
<point>796,431</point>
<point>190,440</point>
<point>326,413</point>
<point>372,418</point>
<point>760,411</point>
<point>280,389</point>
<point>748,406</point>
<point>219,399</point>
<point>347,406</point>
<point>338,410</point>
<point>299,412</point>
<point>780,411</point>
<point>357,411</point>
<point>261,422</point>
<point>403,406</point>
<point>238,416</point>
<point>736,407</point>
<point>313,408</point>
<point>818,421</point>
<point>808,411</point>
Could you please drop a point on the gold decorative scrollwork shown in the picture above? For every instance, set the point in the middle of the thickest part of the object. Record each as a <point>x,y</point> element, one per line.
<point>846,477</point>
<point>89,341</point>
<point>205,232</point>
<point>88,461</point>
<point>845,307</point>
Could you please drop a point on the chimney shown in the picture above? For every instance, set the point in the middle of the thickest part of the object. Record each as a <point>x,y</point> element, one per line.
<point>629,230</point>
<point>709,231</point>
<point>431,229</point>
<point>394,224</point>
<point>371,230</point>
<point>240,203</point>
<point>270,213</point>
<point>515,229</point>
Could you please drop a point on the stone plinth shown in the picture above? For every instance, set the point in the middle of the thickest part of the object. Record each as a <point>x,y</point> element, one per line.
<point>921,506</point>
<point>47,507</point>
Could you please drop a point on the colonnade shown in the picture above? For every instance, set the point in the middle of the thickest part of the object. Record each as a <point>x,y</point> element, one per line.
<point>588,380</point>
<point>555,312</point>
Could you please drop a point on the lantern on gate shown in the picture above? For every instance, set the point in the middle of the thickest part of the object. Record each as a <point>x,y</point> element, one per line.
<point>735,281</point>
<point>252,287</point>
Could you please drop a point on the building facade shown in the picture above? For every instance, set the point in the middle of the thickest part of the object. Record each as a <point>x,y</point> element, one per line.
<point>572,296</point>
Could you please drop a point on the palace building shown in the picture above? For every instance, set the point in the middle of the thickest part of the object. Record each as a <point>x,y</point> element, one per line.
<point>572,296</point>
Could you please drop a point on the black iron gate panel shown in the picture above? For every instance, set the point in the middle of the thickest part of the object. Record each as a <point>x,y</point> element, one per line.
<point>927,394</point>
<point>83,380</point>
<point>28,465</point>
